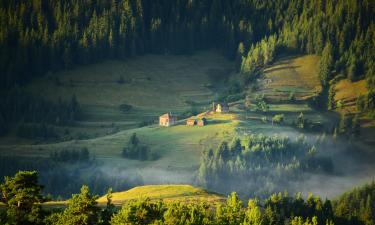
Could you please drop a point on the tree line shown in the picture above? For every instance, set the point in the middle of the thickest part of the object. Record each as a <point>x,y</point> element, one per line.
<point>35,114</point>
<point>260,164</point>
<point>63,172</point>
<point>22,195</point>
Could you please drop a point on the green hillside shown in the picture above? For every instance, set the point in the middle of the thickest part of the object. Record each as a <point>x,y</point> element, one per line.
<point>168,193</point>
<point>152,85</point>
<point>165,193</point>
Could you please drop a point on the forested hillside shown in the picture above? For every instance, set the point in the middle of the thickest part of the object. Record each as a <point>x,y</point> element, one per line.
<point>42,35</point>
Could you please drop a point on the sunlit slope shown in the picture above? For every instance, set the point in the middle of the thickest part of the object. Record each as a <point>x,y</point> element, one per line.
<point>347,92</point>
<point>168,193</point>
<point>165,193</point>
<point>297,74</point>
<point>179,148</point>
<point>151,84</point>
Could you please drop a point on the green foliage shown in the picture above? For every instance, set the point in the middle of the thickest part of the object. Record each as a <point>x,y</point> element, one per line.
<point>232,212</point>
<point>301,121</point>
<point>261,104</point>
<point>331,97</point>
<point>187,214</point>
<point>21,195</point>
<point>135,150</point>
<point>110,209</point>
<point>356,206</point>
<point>277,119</point>
<point>82,209</point>
<point>17,106</point>
<point>326,64</point>
<point>259,55</point>
<point>138,213</point>
<point>349,126</point>
<point>263,161</point>
<point>366,103</point>
<point>253,214</point>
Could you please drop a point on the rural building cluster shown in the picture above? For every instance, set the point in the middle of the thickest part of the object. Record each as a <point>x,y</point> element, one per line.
<point>168,119</point>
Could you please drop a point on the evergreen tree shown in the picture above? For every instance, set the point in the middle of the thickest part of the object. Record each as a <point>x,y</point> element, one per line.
<point>82,209</point>
<point>331,97</point>
<point>253,215</point>
<point>326,64</point>
<point>22,195</point>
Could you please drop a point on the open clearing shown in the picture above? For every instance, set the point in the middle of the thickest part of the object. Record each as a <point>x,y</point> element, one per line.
<point>347,93</point>
<point>292,74</point>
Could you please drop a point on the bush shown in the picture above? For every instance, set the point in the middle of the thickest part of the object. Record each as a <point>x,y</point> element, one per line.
<point>135,150</point>
<point>279,118</point>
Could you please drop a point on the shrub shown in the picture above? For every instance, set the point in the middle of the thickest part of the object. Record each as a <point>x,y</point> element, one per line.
<point>279,118</point>
<point>135,150</point>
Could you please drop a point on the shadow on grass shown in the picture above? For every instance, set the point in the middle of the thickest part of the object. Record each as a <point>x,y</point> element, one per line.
<point>280,68</point>
<point>213,122</point>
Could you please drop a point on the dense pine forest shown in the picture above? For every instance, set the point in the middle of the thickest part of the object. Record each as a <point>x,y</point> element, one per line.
<point>40,35</point>
<point>266,161</point>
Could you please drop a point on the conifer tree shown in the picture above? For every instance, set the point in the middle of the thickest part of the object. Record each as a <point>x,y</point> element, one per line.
<point>22,195</point>
<point>326,64</point>
<point>82,209</point>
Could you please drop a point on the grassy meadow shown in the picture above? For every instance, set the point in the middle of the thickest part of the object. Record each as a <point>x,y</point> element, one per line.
<point>297,74</point>
<point>150,84</point>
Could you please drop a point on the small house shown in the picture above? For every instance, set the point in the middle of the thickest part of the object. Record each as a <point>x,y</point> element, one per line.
<point>190,122</point>
<point>221,107</point>
<point>202,122</point>
<point>167,120</point>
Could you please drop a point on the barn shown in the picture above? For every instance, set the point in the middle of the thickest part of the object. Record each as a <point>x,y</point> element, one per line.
<point>190,122</point>
<point>167,120</point>
<point>202,122</point>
